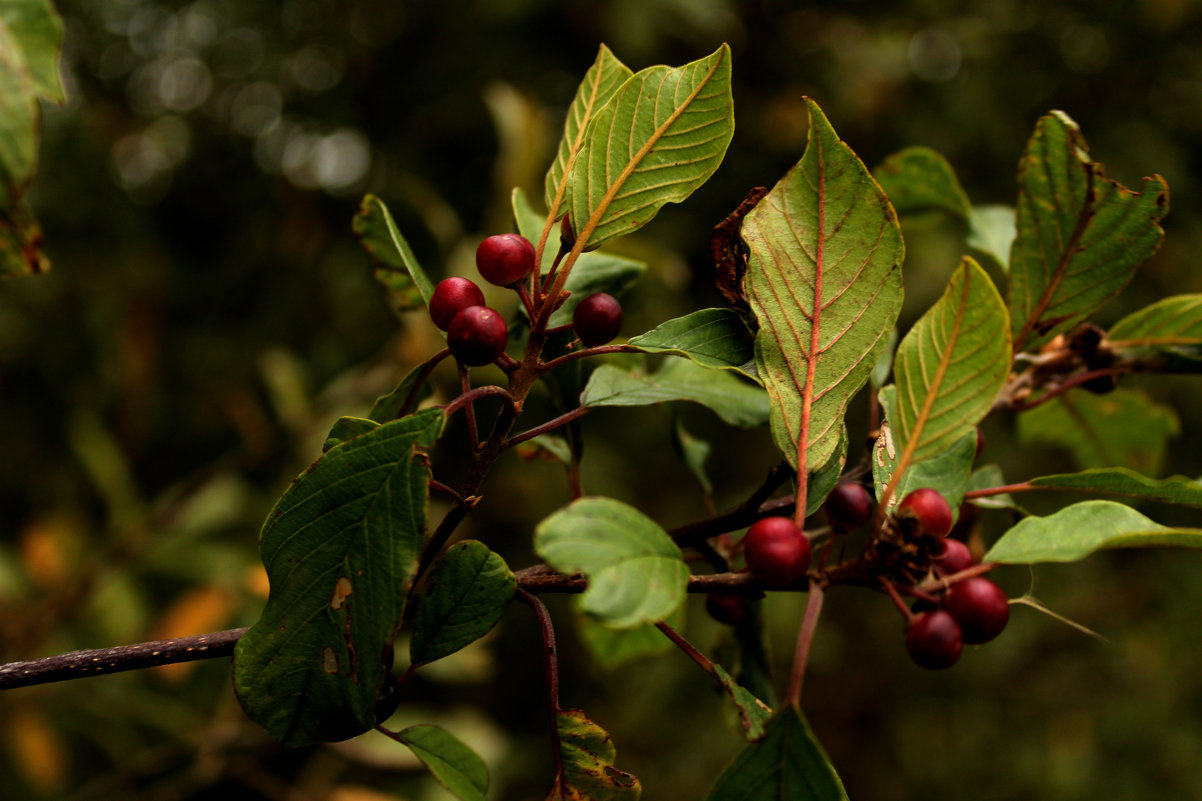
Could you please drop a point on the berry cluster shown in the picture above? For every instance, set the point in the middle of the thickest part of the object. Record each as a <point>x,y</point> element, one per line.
<point>477,334</point>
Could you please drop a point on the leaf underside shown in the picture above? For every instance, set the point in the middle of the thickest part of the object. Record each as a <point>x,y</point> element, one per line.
<point>396,266</point>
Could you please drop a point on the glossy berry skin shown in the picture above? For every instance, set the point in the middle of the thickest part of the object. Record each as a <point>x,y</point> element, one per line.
<point>933,640</point>
<point>726,607</point>
<point>477,336</point>
<point>777,551</point>
<point>451,296</point>
<point>597,319</point>
<point>848,507</point>
<point>952,556</point>
<point>505,259</point>
<point>980,607</point>
<point>930,509</point>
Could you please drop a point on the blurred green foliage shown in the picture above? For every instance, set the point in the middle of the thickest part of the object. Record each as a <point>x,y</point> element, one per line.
<point>210,314</point>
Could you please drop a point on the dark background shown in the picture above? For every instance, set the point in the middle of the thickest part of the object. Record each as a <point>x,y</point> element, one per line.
<point>209,315</point>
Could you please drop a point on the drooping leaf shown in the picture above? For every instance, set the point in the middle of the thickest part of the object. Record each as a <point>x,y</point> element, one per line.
<point>456,766</point>
<point>396,266</point>
<point>735,400</point>
<point>1081,529</point>
<point>340,547</point>
<point>1121,482</point>
<point>38,31</point>
<point>594,272</point>
<point>1080,235</point>
<point>18,122</point>
<point>1098,431</point>
<point>600,83</point>
<point>390,406</point>
<point>347,428</point>
<point>788,763</point>
<point>753,713</point>
<point>950,366</point>
<point>635,571</point>
<point>660,137</point>
<point>947,472</point>
<point>824,479</point>
<point>919,180</point>
<point>588,763</point>
<point>21,251</point>
<point>710,337</point>
<point>468,590</point>
<point>612,648</point>
<point>824,281</point>
<point>693,451</point>
<point>991,232</point>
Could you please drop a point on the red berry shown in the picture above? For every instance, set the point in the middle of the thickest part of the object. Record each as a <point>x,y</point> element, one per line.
<point>451,296</point>
<point>980,607</point>
<point>848,507</point>
<point>477,335</point>
<point>597,319</point>
<point>505,259</point>
<point>777,551</point>
<point>726,607</point>
<point>933,640</point>
<point>952,556</point>
<point>930,509</point>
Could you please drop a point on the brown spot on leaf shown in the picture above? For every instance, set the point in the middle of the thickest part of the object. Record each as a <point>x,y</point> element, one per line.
<point>342,588</point>
<point>329,660</point>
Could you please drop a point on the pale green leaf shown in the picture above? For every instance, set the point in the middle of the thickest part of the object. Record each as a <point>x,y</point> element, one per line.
<point>664,132</point>
<point>612,648</point>
<point>735,400</point>
<point>18,122</point>
<point>396,266</point>
<point>468,590</point>
<point>991,231</point>
<point>456,766</point>
<point>588,763</point>
<point>1167,334</point>
<point>600,83</point>
<point>694,452</point>
<point>919,180</point>
<point>884,363</point>
<point>1081,529</point>
<point>950,366</point>
<point>824,281</point>
<point>634,569</point>
<point>710,337</point>
<point>788,763</point>
<point>38,30</point>
<point>824,479</point>
<point>989,476</point>
<point>1124,483</point>
<point>1080,235</point>
<point>340,547</point>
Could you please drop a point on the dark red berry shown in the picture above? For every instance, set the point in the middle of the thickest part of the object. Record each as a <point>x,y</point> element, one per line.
<point>848,507</point>
<point>451,296</point>
<point>477,336</point>
<point>980,607</point>
<point>930,509</point>
<point>777,551</point>
<point>933,640</point>
<point>726,607</point>
<point>952,556</point>
<point>505,259</point>
<point>567,237</point>
<point>597,319</point>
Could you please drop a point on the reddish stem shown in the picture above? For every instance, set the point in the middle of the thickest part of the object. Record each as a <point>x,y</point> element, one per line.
<point>551,664</point>
<point>805,637</point>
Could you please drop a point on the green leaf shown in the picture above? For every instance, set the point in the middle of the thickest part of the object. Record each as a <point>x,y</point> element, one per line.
<point>1120,481</point>
<point>20,241</point>
<point>1098,431</point>
<point>753,713</point>
<point>347,428</point>
<point>396,266</point>
<point>950,366</point>
<point>340,547</point>
<point>612,648</point>
<point>986,477</point>
<point>546,446</point>
<point>634,569</point>
<point>600,83</point>
<point>710,337</point>
<point>884,363</point>
<point>693,451</point>
<point>991,232</point>
<point>391,406</point>
<point>1171,327</point>
<point>594,272</point>
<point>468,590</point>
<point>736,401</point>
<point>918,180</point>
<point>947,472</point>
<point>787,764</point>
<point>660,137</point>
<point>588,763</point>
<point>1081,529</point>
<point>38,30</point>
<point>1080,235</point>
<point>824,479</point>
<point>456,766</point>
<point>824,281</point>
<point>18,122</point>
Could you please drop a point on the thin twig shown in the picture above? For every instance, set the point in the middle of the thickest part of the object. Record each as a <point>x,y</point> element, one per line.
<point>551,663</point>
<point>469,410</point>
<point>701,659</point>
<point>547,367</point>
<point>490,390</point>
<point>1061,388</point>
<point>550,425</point>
